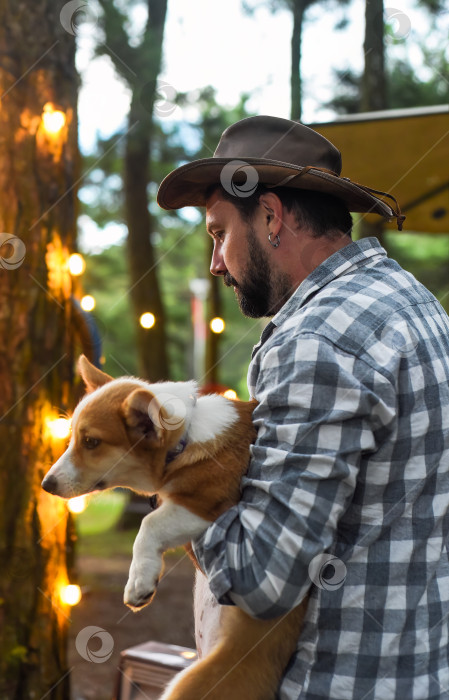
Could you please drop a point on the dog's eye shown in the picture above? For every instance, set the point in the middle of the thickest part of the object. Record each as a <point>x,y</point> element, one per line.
<point>90,443</point>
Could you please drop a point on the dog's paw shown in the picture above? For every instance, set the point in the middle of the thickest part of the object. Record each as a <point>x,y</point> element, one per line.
<point>142,583</point>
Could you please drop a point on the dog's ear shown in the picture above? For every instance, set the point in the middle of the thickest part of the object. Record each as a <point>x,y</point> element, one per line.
<point>141,411</point>
<point>91,375</point>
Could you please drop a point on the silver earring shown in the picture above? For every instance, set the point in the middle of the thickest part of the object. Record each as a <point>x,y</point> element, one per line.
<point>276,242</point>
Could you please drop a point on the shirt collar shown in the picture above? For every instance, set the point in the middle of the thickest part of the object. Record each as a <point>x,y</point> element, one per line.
<point>354,255</point>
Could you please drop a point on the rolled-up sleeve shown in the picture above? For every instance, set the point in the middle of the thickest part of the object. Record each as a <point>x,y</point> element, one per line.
<point>320,411</point>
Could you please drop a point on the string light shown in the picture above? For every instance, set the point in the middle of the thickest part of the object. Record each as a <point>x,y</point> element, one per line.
<point>77,504</point>
<point>77,264</point>
<point>188,654</point>
<point>59,427</point>
<point>70,594</point>
<point>217,325</point>
<point>147,320</point>
<point>53,120</point>
<point>230,394</point>
<point>88,303</point>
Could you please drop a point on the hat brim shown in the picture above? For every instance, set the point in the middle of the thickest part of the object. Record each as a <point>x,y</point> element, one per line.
<point>188,184</point>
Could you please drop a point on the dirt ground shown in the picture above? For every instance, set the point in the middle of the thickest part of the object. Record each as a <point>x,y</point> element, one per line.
<point>168,619</point>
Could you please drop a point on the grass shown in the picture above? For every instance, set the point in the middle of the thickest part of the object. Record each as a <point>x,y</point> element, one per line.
<point>96,527</point>
<point>102,513</point>
<point>97,534</point>
<point>111,543</point>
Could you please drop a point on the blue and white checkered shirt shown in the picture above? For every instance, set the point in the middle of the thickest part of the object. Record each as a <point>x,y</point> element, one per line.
<point>347,493</point>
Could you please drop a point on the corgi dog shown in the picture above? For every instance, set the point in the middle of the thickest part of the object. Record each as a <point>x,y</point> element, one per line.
<point>191,451</point>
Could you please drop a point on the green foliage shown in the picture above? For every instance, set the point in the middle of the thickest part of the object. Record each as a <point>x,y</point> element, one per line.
<point>16,656</point>
<point>434,6</point>
<point>406,86</point>
<point>180,240</point>
<point>180,244</point>
<point>426,257</point>
<point>405,89</point>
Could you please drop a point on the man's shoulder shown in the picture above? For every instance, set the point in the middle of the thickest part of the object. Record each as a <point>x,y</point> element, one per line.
<point>356,309</point>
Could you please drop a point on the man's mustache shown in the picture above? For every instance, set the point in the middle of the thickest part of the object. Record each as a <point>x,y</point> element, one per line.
<point>229,280</point>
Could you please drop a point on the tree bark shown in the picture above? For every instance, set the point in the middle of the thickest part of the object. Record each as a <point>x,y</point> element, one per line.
<point>298,9</point>
<point>373,95</point>
<point>37,221</point>
<point>145,289</point>
<point>373,90</point>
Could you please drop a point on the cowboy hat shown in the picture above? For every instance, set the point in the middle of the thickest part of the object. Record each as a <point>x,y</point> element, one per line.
<point>277,153</point>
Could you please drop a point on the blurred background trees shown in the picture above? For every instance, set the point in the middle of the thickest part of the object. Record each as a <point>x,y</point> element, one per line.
<point>138,64</point>
<point>159,264</point>
<point>179,250</point>
<point>38,174</point>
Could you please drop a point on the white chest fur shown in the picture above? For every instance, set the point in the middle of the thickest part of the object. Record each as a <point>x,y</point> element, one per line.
<point>207,614</point>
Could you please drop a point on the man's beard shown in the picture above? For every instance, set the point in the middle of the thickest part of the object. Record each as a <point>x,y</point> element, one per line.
<point>259,294</point>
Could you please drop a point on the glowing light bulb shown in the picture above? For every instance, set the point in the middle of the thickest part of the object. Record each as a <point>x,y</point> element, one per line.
<point>188,654</point>
<point>217,325</point>
<point>77,264</point>
<point>71,594</point>
<point>59,427</point>
<point>53,119</point>
<point>77,504</point>
<point>230,394</point>
<point>147,320</point>
<point>87,303</point>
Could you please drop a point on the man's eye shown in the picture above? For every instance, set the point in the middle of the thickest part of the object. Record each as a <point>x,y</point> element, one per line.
<point>90,443</point>
<point>219,235</point>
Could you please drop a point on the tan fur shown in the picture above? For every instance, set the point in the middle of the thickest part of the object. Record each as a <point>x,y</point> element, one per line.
<point>206,477</point>
<point>251,655</point>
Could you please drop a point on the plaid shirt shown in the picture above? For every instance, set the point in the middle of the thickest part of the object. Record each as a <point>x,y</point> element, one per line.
<point>347,493</point>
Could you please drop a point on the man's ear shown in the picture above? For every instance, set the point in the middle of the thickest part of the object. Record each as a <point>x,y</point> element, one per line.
<point>91,375</point>
<point>273,207</point>
<point>142,414</point>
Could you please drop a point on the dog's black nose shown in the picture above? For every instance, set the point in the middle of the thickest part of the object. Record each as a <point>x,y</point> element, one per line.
<point>50,484</point>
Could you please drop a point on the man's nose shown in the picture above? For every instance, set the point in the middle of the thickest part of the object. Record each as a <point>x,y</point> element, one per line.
<point>217,265</point>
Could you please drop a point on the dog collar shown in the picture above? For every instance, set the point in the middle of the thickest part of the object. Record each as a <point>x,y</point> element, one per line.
<point>180,447</point>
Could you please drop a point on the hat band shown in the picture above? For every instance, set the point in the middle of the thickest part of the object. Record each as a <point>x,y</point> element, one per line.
<point>304,171</point>
<point>400,218</point>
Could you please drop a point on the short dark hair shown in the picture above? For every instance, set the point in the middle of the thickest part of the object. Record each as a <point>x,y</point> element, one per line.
<point>322,213</point>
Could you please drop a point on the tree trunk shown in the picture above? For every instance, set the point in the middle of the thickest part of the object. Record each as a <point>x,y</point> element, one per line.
<point>37,221</point>
<point>145,288</point>
<point>144,282</point>
<point>298,8</point>
<point>139,66</point>
<point>373,95</point>
<point>373,92</point>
